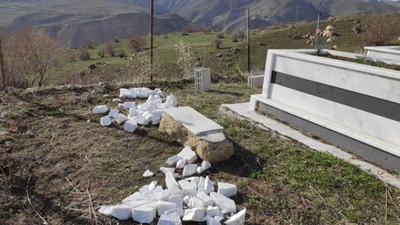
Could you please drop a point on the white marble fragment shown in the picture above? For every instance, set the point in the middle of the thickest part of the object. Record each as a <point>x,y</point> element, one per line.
<point>171,101</point>
<point>188,154</point>
<point>165,170</point>
<point>171,182</point>
<point>196,203</point>
<point>237,219</point>
<point>180,164</point>
<point>200,185</point>
<point>134,197</point>
<point>193,179</point>
<point>148,173</point>
<point>113,113</point>
<point>212,221</point>
<point>226,205</point>
<point>189,170</point>
<point>199,170</point>
<point>125,93</point>
<point>100,109</point>
<point>164,206</point>
<point>177,199</point>
<point>129,105</point>
<point>205,165</point>
<point>105,121</point>
<point>208,185</point>
<point>130,126</point>
<point>145,213</point>
<point>171,161</point>
<point>213,211</point>
<point>186,199</point>
<point>117,100</point>
<point>207,201</point>
<point>227,189</point>
<point>170,218</point>
<point>195,214</point>
<point>189,188</point>
<point>121,118</point>
<point>133,112</point>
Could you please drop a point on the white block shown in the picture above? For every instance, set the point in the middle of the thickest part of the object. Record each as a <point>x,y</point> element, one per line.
<point>171,182</point>
<point>193,179</point>
<point>130,126</point>
<point>205,199</point>
<point>172,160</point>
<point>177,199</point>
<point>212,221</point>
<point>196,203</point>
<point>170,218</point>
<point>189,170</point>
<point>145,190</point>
<point>171,101</point>
<point>121,118</point>
<point>205,165</point>
<point>129,105</point>
<point>153,185</point>
<point>226,205</point>
<point>196,214</point>
<point>208,185</point>
<point>134,197</point>
<point>117,100</point>
<point>180,164</point>
<point>105,121</point>
<point>186,199</point>
<point>132,112</point>
<point>158,189</point>
<point>145,213</point>
<point>100,109</point>
<point>213,211</point>
<point>189,188</point>
<point>188,154</point>
<point>148,173</point>
<point>139,120</point>
<point>121,212</point>
<point>227,189</point>
<point>165,170</point>
<point>164,207</point>
<point>237,219</point>
<point>113,113</point>
<point>200,184</point>
<point>125,93</point>
<point>199,170</point>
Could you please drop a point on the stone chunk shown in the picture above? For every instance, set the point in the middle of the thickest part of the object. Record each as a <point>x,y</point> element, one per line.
<point>181,164</point>
<point>148,173</point>
<point>100,109</point>
<point>196,214</point>
<point>173,160</point>
<point>113,113</point>
<point>165,170</point>
<point>207,201</point>
<point>133,197</point>
<point>121,118</point>
<point>130,126</point>
<point>171,182</point>
<point>212,221</point>
<point>145,213</point>
<point>170,218</point>
<point>237,219</point>
<point>129,105</point>
<point>105,121</point>
<point>189,170</point>
<point>213,211</point>
<point>188,187</point>
<point>205,165</point>
<point>226,205</point>
<point>164,207</point>
<point>125,93</point>
<point>227,189</point>
<point>188,154</point>
<point>208,185</point>
<point>177,199</point>
<point>199,170</point>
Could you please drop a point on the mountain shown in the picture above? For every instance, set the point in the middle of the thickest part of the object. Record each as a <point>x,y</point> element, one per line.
<point>78,21</point>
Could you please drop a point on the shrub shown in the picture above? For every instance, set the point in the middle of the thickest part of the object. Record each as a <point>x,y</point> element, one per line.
<point>220,35</point>
<point>111,48</point>
<point>186,60</point>
<point>101,52</point>
<point>84,53</point>
<point>206,30</point>
<point>122,54</point>
<point>218,43</point>
<point>380,30</point>
<point>137,42</point>
<point>238,36</point>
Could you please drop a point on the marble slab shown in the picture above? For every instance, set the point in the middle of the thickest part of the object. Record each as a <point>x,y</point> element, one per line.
<point>194,121</point>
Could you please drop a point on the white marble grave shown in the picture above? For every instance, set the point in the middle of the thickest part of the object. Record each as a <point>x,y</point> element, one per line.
<point>391,53</point>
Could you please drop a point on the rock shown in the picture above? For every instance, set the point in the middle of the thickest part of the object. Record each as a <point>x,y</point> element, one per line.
<point>260,44</point>
<point>121,118</point>
<point>226,205</point>
<point>188,154</point>
<point>164,207</point>
<point>199,170</point>
<point>171,182</point>
<point>196,203</point>
<point>128,105</point>
<point>105,121</point>
<point>148,173</point>
<point>125,93</point>
<point>92,67</point>
<point>130,126</point>
<point>117,100</point>
<point>237,219</point>
<point>189,170</point>
<point>213,211</point>
<point>212,221</point>
<point>196,214</point>
<point>200,185</point>
<point>100,109</point>
<point>171,101</point>
<point>186,199</point>
<point>113,113</point>
<point>181,164</point>
<point>207,201</point>
<point>170,218</point>
<point>208,185</point>
<point>133,112</point>
<point>145,213</point>
<point>171,161</point>
<point>177,199</point>
<point>205,165</point>
<point>165,170</point>
<point>189,188</point>
<point>134,197</point>
<point>219,55</point>
<point>226,189</point>
<point>213,148</point>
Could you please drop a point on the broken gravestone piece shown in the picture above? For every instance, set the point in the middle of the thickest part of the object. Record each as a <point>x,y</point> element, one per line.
<point>191,128</point>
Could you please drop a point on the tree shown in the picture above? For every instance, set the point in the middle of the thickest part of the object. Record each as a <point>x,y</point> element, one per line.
<point>137,42</point>
<point>111,48</point>
<point>36,53</point>
<point>186,60</point>
<point>2,66</point>
<point>380,29</point>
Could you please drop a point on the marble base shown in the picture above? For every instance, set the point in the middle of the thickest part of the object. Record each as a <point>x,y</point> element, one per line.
<point>391,53</point>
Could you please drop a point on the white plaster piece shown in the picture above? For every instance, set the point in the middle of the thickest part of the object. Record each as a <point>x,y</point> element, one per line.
<point>100,109</point>
<point>129,105</point>
<point>237,219</point>
<point>188,154</point>
<point>205,165</point>
<point>145,213</point>
<point>170,218</point>
<point>113,113</point>
<point>226,189</point>
<point>165,170</point>
<point>189,188</point>
<point>171,182</point>
<point>226,205</point>
<point>130,126</point>
<point>105,121</point>
<point>171,161</point>
<point>189,170</point>
<point>181,163</point>
<point>148,173</point>
<point>208,185</point>
<point>195,214</point>
<point>121,118</point>
<point>164,206</point>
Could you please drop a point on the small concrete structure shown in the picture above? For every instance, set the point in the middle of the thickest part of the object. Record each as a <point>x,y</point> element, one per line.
<point>202,79</point>
<point>351,105</point>
<point>391,53</point>
<point>255,81</point>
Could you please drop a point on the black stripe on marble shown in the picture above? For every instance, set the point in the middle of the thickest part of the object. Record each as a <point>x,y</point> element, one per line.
<point>381,107</point>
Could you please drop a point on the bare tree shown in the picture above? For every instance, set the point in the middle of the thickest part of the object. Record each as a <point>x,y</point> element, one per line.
<point>137,42</point>
<point>2,66</point>
<point>36,53</point>
<point>380,29</point>
<point>111,48</point>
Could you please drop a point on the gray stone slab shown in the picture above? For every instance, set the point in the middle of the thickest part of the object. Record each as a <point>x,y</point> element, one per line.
<point>265,122</point>
<point>194,121</point>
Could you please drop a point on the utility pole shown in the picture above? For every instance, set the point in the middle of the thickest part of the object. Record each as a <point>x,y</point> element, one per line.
<point>317,34</point>
<point>151,39</point>
<point>248,40</point>
<point>2,70</point>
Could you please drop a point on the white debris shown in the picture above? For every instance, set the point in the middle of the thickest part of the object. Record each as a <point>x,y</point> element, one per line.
<point>205,165</point>
<point>145,190</point>
<point>177,199</point>
<point>213,211</point>
<point>180,164</point>
<point>189,188</point>
<point>130,126</point>
<point>164,207</point>
<point>227,189</point>
<point>193,179</point>
<point>237,219</point>
<point>145,213</point>
<point>121,118</point>
<point>132,112</point>
<point>189,170</point>
<point>148,173</point>
<point>165,170</point>
<point>171,182</point>
<point>200,185</point>
<point>226,205</point>
<point>208,185</point>
<point>125,93</point>
<point>172,160</point>
<point>133,197</point>
<point>170,218</point>
<point>100,109</point>
<point>121,212</point>
<point>113,113</point>
<point>196,214</point>
<point>186,199</point>
<point>129,105</point>
<point>199,170</point>
<point>171,101</point>
<point>196,203</point>
<point>188,154</point>
<point>105,121</point>
<point>207,201</point>
<point>212,221</point>
<point>117,100</point>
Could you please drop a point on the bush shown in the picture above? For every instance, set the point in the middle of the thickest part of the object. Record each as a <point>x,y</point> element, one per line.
<point>206,30</point>
<point>220,35</point>
<point>101,53</point>
<point>186,60</point>
<point>137,43</point>
<point>218,43</point>
<point>380,30</point>
<point>122,54</point>
<point>84,53</point>
<point>238,36</point>
<point>111,48</point>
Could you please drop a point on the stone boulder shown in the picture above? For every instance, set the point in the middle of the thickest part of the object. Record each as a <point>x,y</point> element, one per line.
<point>211,146</point>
